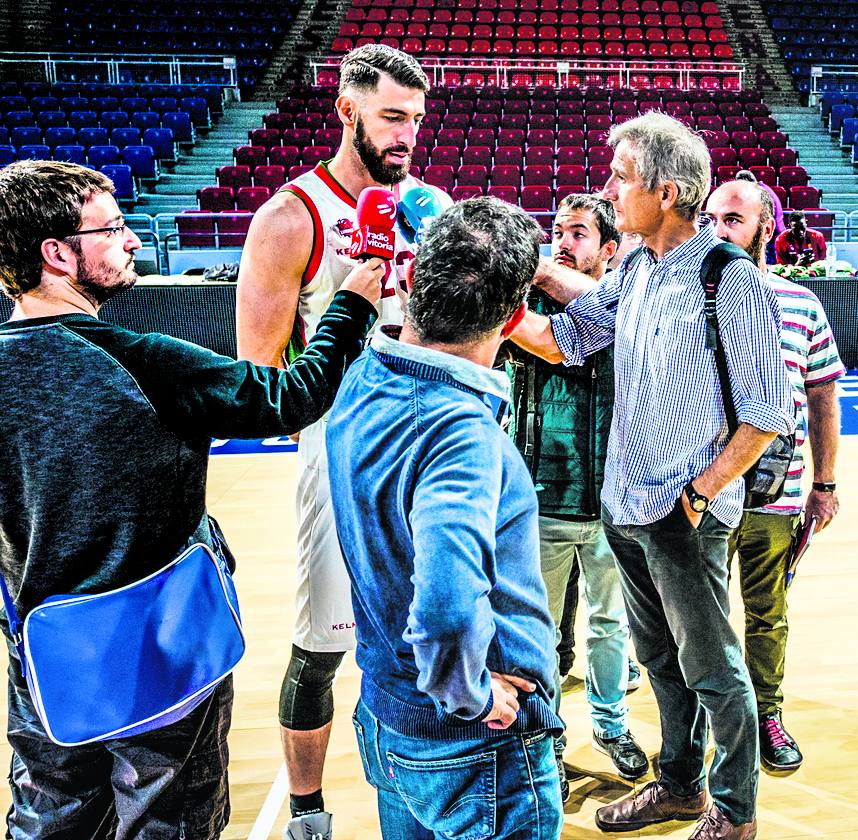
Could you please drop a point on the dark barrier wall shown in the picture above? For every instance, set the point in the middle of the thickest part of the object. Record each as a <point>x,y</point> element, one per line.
<point>205,312</point>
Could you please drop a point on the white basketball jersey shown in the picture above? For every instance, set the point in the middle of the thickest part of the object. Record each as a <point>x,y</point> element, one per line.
<point>333,211</point>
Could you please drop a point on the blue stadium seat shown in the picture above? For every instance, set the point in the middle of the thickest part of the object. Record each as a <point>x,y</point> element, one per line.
<point>13,103</point>
<point>162,104</point>
<point>114,119</point>
<point>71,153</point>
<point>19,118</point>
<point>104,103</point>
<point>4,135</point>
<point>60,136</point>
<point>142,161</point>
<point>146,119</point>
<point>197,109</point>
<point>123,137</point>
<point>74,103</point>
<point>50,119</point>
<point>120,174</point>
<point>8,154</point>
<point>161,141</point>
<point>180,124</point>
<point>99,156</point>
<point>25,136</point>
<point>44,103</point>
<point>92,136</point>
<point>130,104</point>
<point>83,119</point>
<point>34,152</point>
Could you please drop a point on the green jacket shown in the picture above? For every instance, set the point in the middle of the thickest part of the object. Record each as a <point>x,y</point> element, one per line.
<point>561,418</point>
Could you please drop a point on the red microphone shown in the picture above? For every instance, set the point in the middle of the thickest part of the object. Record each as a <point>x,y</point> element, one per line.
<point>376,214</point>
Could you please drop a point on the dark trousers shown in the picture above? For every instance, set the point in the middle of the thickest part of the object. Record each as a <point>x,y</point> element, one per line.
<point>674,580</point>
<point>566,647</point>
<point>169,784</point>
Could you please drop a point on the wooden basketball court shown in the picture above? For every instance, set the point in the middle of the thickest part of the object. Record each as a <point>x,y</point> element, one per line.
<point>253,498</point>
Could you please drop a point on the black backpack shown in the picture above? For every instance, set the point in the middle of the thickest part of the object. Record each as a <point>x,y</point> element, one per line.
<point>764,482</point>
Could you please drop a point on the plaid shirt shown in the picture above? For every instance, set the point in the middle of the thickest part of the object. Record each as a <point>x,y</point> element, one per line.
<point>669,422</point>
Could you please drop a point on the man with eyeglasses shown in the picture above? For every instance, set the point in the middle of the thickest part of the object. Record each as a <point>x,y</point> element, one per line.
<point>103,455</point>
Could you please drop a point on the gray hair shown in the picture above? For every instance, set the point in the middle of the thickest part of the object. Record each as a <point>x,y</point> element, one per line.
<point>362,67</point>
<point>666,150</point>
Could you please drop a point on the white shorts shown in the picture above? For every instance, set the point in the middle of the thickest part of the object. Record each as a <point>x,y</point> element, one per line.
<point>324,620</point>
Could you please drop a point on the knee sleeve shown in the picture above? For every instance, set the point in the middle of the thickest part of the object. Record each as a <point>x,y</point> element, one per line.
<point>306,696</point>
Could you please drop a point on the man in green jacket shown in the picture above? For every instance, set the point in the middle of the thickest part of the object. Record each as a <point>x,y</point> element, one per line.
<point>562,416</point>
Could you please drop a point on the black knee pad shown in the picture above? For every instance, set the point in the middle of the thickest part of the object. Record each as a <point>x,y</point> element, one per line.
<point>306,697</point>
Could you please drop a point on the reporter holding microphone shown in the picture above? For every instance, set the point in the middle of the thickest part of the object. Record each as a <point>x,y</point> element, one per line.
<point>297,254</point>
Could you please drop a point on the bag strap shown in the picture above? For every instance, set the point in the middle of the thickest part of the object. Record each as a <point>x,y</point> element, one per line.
<point>711,272</point>
<point>12,617</point>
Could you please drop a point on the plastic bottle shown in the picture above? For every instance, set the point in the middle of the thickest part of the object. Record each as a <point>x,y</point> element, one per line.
<point>830,260</point>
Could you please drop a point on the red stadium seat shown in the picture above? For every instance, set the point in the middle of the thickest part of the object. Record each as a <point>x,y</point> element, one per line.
<point>473,175</point>
<point>251,198</point>
<point>214,199</point>
<point>573,155</point>
<point>439,176</point>
<point>461,192</point>
<point>504,175</point>
<point>504,193</point>
<point>792,176</point>
<point>536,197</point>
<point>233,177</point>
<point>272,177</point>
<point>538,175</point>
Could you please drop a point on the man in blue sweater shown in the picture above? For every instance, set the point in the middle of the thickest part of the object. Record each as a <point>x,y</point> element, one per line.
<point>437,517</point>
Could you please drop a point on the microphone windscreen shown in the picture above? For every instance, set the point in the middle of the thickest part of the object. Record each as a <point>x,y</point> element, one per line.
<point>417,208</point>
<point>376,207</point>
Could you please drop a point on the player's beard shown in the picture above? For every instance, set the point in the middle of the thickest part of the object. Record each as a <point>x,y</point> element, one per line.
<point>373,158</point>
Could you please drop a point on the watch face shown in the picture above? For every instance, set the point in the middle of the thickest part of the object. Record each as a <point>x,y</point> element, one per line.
<point>699,505</point>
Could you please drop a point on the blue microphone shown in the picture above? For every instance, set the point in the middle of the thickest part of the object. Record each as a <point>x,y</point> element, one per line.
<point>417,209</point>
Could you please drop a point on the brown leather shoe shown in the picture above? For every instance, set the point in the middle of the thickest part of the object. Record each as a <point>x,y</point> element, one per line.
<point>654,804</point>
<point>713,825</point>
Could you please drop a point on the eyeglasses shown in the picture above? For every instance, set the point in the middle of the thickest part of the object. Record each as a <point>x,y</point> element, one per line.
<point>113,230</point>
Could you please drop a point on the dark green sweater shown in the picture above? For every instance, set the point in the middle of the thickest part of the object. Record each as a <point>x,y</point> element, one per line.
<point>105,439</point>
<point>561,418</point>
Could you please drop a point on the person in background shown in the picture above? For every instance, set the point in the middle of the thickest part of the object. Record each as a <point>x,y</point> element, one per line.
<point>561,419</point>
<point>800,245</point>
<point>742,214</point>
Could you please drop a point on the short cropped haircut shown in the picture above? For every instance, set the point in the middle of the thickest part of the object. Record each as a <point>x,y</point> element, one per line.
<point>767,206</point>
<point>797,216</point>
<point>666,150</point>
<point>360,69</point>
<point>602,210</point>
<point>472,271</point>
<point>39,200</point>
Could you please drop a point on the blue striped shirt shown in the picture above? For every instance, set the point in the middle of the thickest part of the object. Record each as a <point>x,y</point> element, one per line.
<point>669,422</point>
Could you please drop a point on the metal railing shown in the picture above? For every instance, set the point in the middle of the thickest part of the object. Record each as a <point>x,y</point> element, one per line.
<point>117,68</point>
<point>564,74</point>
<point>829,77</point>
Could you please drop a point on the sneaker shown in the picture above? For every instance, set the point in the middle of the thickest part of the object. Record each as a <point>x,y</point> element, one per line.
<point>654,804</point>
<point>714,825</point>
<point>628,757</point>
<point>778,750</point>
<point>309,827</point>
<point>634,676</point>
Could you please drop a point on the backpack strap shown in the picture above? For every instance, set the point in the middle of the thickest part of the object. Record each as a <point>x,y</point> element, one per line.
<point>711,272</point>
<point>14,621</point>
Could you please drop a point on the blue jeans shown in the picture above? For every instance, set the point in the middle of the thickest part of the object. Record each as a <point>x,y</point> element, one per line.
<point>560,542</point>
<point>675,584</point>
<point>502,787</point>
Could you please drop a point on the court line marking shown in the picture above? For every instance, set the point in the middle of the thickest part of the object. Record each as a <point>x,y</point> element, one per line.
<point>271,807</point>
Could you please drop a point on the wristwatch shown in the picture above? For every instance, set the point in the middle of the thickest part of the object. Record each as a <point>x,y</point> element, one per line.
<point>698,502</point>
<point>824,486</point>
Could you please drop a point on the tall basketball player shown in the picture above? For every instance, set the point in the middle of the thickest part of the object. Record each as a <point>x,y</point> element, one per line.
<point>296,257</point>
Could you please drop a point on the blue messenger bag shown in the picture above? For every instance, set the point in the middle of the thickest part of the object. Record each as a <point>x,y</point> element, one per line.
<point>134,659</point>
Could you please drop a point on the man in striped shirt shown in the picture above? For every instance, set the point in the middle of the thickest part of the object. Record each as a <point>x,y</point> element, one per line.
<point>673,486</point>
<point>742,214</point>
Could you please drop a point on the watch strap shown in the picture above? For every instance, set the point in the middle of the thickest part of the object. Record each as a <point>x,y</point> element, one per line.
<point>825,486</point>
